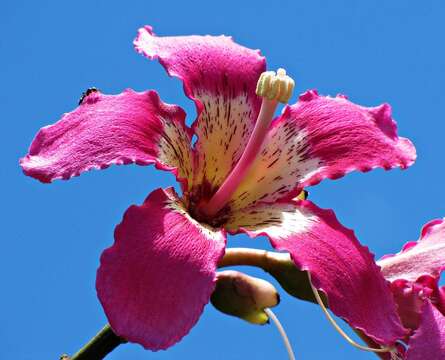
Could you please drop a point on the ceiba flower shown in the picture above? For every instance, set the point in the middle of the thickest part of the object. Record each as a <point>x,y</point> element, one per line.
<point>414,275</point>
<point>242,175</point>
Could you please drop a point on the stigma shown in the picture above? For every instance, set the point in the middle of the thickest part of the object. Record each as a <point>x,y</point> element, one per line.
<point>273,88</point>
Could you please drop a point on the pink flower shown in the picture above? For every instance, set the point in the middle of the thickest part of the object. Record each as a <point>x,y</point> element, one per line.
<point>414,275</point>
<point>155,280</point>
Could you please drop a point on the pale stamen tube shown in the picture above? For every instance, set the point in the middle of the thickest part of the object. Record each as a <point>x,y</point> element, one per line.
<point>273,88</point>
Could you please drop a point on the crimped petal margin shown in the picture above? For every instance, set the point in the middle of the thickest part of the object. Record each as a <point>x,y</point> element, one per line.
<point>220,76</point>
<point>417,259</point>
<point>339,265</point>
<point>322,137</point>
<point>132,127</point>
<point>155,280</point>
<point>348,137</point>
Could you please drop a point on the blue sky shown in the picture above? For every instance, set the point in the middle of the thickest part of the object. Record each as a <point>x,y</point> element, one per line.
<point>53,235</point>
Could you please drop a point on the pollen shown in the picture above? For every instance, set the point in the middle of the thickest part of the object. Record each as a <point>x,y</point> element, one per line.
<point>275,86</point>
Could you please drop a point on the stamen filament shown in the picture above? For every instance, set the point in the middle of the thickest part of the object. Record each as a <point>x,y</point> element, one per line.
<point>280,328</point>
<point>238,173</point>
<point>340,330</point>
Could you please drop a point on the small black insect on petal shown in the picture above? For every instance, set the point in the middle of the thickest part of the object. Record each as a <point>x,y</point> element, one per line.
<point>86,93</point>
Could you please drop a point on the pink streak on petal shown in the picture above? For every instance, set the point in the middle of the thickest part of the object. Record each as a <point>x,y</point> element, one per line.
<point>155,280</point>
<point>210,64</point>
<point>321,137</point>
<point>345,271</point>
<point>110,129</point>
<point>428,342</point>
<point>347,137</point>
<point>424,257</point>
<point>220,76</point>
<point>339,265</point>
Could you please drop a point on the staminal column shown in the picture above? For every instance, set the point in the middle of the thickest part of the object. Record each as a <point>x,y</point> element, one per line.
<point>273,88</point>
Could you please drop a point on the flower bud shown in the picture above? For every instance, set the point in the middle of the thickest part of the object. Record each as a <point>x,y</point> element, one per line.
<point>244,296</point>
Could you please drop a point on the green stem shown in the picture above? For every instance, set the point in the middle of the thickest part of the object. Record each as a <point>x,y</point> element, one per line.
<point>98,347</point>
<point>280,265</point>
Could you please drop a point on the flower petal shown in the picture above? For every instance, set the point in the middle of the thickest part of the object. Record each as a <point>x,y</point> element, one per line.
<point>342,268</point>
<point>428,342</point>
<point>322,137</point>
<point>424,257</point>
<point>119,129</point>
<point>155,280</point>
<point>410,297</point>
<point>220,76</point>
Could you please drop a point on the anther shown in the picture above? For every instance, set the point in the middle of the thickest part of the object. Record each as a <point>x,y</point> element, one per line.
<point>276,87</point>
<point>273,88</point>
